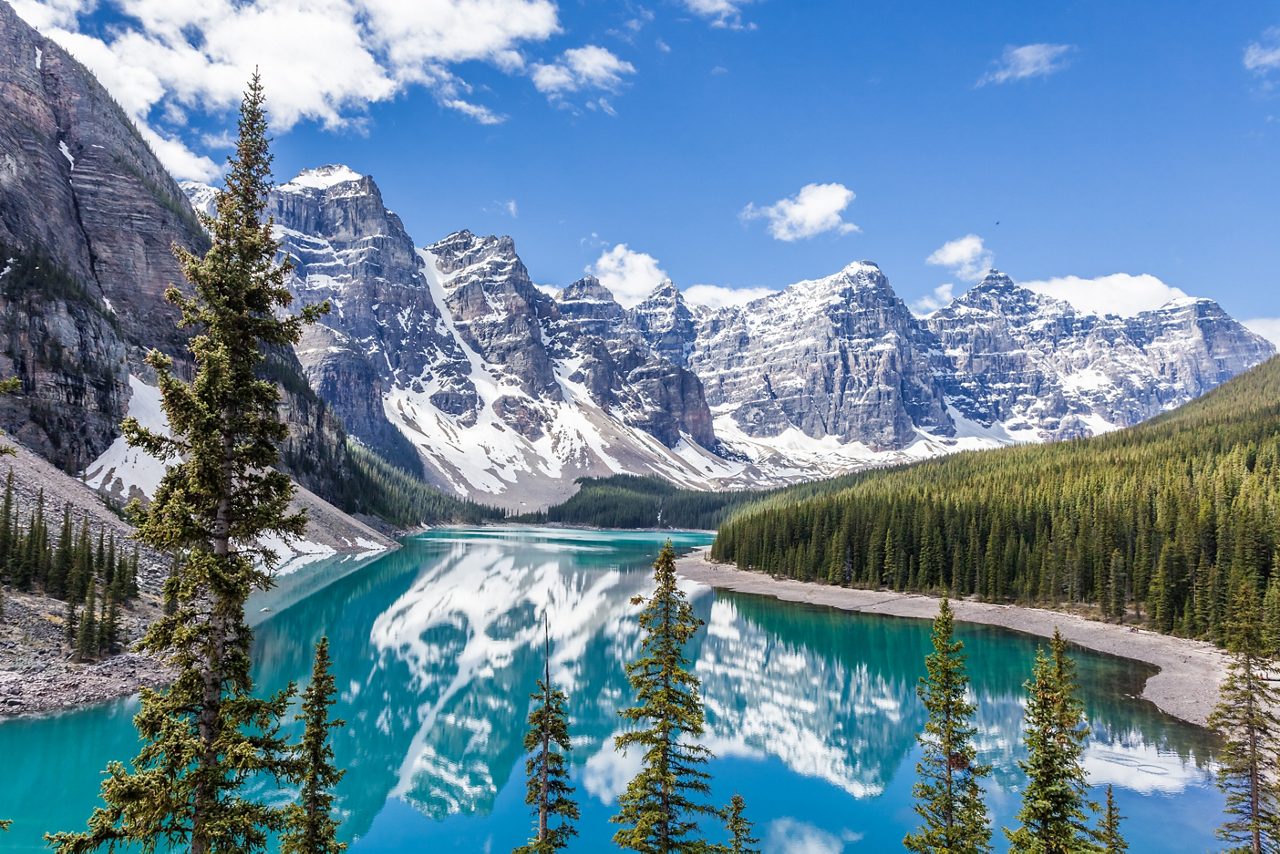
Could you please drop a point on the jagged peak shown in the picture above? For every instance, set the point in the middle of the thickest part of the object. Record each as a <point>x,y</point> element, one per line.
<point>323,177</point>
<point>994,279</point>
<point>588,288</point>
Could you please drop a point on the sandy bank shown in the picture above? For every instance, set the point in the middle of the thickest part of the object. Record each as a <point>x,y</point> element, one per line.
<point>1190,671</point>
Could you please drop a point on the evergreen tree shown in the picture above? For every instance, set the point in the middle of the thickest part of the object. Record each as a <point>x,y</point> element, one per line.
<point>207,734</point>
<point>109,625</point>
<point>87,636</point>
<point>61,573</point>
<point>948,794</point>
<point>1109,837</point>
<point>1054,806</point>
<point>660,807</point>
<point>1271,613</point>
<point>7,545</point>
<point>735,821</point>
<point>71,624</point>
<point>549,791</point>
<point>310,827</point>
<point>1245,718</point>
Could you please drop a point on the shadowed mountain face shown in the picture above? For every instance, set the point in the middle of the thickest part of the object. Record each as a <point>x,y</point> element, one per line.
<point>88,222</point>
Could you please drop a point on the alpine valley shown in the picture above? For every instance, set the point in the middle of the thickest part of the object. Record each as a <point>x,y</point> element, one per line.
<point>448,362</point>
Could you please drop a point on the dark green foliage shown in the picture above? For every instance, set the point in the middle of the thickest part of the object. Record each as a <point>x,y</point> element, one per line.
<point>310,827</point>
<point>29,560</point>
<point>207,734</point>
<point>1110,840</point>
<point>377,488</point>
<point>1147,522</point>
<point>660,807</point>
<point>948,793</point>
<point>735,821</point>
<point>1246,720</point>
<point>1054,809</point>
<point>549,791</point>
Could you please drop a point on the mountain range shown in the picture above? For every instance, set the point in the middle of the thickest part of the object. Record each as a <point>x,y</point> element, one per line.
<point>448,361</point>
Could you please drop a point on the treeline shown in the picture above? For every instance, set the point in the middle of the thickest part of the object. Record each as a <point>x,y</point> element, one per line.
<point>632,501</point>
<point>1150,523</point>
<point>94,576</point>
<point>381,489</point>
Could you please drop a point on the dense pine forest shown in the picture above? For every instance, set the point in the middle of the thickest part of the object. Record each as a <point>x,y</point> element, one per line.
<point>93,575</point>
<point>1150,523</point>
<point>378,488</point>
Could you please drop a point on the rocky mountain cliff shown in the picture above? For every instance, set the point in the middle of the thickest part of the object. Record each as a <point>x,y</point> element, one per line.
<point>450,362</point>
<point>448,359</point>
<point>88,219</point>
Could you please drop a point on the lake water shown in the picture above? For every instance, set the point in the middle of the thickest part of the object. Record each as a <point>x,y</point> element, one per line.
<point>812,712</point>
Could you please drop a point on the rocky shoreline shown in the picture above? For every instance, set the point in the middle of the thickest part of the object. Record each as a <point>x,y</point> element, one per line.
<point>37,673</point>
<point>1186,686</point>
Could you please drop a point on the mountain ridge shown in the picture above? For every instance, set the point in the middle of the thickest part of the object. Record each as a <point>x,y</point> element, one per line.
<point>446,356</point>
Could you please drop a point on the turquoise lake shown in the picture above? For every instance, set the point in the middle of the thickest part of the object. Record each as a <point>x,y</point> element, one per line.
<point>811,712</point>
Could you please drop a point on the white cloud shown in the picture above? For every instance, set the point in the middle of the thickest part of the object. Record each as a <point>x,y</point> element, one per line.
<point>589,67</point>
<point>942,296</point>
<point>1028,60</point>
<point>816,209</point>
<point>1264,55</point>
<point>1119,293</point>
<point>167,59</point>
<point>630,275</point>
<point>721,13</point>
<point>1267,327</point>
<point>966,257</point>
<point>716,296</point>
<point>791,836</point>
<point>479,112</point>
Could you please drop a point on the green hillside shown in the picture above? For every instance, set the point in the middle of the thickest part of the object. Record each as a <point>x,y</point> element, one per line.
<point>1153,523</point>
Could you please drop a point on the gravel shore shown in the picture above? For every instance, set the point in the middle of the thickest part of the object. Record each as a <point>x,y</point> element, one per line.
<point>37,674</point>
<point>1186,686</point>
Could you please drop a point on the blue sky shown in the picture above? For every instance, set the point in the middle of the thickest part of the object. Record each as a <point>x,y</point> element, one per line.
<point>1084,140</point>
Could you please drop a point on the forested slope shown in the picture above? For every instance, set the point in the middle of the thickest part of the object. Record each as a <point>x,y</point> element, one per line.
<point>1154,522</point>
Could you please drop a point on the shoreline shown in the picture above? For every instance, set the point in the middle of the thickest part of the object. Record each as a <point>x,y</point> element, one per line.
<point>1189,671</point>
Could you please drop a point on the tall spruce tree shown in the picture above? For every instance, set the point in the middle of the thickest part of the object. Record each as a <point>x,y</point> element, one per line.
<point>660,808</point>
<point>949,793</point>
<point>549,791</point>
<point>207,734</point>
<point>740,828</point>
<point>1055,809</point>
<point>1246,720</point>
<point>1110,840</point>
<point>310,827</point>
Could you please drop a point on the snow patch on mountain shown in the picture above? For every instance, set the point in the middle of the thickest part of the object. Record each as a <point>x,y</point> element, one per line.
<point>322,178</point>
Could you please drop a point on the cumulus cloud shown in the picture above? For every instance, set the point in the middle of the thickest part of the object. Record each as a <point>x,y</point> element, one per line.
<point>966,257</point>
<point>630,275</point>
<point>1119,293</point>
<point>942,296</point>
<point>791,836</point>
<point>816,209</point>
<point>1028,60</point>
<point>1267,327</point>
<point>579,68</point>
<point>166,60</point>
<point>717,296</point>
<point>1264,54</point>
<point>721,13</point>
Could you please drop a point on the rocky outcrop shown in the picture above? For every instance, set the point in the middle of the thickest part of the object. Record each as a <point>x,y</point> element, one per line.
<point>840,356</point>
<point>1042,369</point>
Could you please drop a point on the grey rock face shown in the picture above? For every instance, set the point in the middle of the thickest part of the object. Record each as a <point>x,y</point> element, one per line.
<point>667,322</point>
<point>81,190</point>
<point>840,356</point>
<point>1034,363</point>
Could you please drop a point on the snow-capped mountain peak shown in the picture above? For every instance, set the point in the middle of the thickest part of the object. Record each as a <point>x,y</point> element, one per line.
<point>322,178</point>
